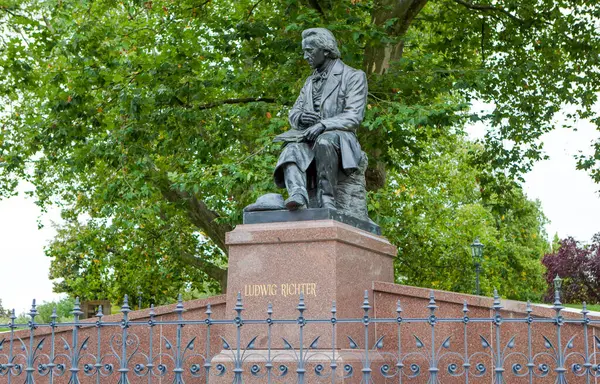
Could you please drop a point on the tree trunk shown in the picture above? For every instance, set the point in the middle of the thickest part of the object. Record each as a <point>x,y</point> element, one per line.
<point>378,57</point>
<point>203,218</point>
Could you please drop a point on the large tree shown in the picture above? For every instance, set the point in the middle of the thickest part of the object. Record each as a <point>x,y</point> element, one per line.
<point>150,122</point>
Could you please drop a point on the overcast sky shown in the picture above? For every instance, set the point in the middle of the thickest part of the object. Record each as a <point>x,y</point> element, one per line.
<point>568,197</point>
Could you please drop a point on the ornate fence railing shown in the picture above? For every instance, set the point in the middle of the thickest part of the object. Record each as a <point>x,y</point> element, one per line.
<point>462,349</point>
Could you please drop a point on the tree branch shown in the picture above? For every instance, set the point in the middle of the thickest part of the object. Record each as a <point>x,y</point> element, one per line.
<point>488,7</point>
<point>200,215</point>
<point>210,269</point>
<point>251,10</point>
<point>315,5</point>
<point>409,14</point>
<point>237,101</point>
<point>5,9</point>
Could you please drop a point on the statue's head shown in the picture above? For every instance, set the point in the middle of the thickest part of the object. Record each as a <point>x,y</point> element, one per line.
<point>319,46</point>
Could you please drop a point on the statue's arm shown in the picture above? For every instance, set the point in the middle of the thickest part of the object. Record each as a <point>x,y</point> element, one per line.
<point>297,109</point>
<point>354,109</point>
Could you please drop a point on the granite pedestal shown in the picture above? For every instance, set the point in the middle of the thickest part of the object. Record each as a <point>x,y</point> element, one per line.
<point>328,261</point>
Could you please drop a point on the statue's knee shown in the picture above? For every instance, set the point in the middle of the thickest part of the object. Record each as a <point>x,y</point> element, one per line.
<point>324,141</point>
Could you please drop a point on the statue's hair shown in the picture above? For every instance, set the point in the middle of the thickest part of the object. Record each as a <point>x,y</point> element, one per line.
<point>324,39</point>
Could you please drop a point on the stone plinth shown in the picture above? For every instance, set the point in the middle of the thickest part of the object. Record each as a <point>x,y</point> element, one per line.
<point>311,214</point>
<point>326,260</point>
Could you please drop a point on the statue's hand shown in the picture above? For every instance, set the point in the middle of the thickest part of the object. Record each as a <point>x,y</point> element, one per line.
<point>309,118</point>
<point>313,132</point>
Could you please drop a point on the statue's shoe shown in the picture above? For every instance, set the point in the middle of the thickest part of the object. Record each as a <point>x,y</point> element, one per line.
<point>268,202</point>
<point>295,202</point>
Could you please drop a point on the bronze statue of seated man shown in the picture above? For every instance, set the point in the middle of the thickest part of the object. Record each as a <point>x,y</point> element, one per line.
<point>322,146</point>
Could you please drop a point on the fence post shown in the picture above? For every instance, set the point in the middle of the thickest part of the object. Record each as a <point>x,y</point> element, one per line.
<point>10,364</point>
<point>238,369</point>
<point>51,364</point>
<point>467,363</point>
<point>151,324</point>
<point>123,370</point>
<point>333,335</point>
<point>207,360</point>
<point>498,369</point>
<point>366,371</point>
<point>178,353</point>
<point>559,321</point>
<point>301,322</point>
<point>269,364</point>
<point>98,365</point>
<point>31,353</point>
<point>75,350</point>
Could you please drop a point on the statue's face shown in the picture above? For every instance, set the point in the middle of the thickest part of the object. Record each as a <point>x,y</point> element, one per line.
<point>315,56</point>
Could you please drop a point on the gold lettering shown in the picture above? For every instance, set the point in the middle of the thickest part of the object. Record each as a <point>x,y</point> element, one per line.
<point>283,289</point>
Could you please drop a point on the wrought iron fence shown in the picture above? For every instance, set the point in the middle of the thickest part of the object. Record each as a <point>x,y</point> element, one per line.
<point>120,354</point>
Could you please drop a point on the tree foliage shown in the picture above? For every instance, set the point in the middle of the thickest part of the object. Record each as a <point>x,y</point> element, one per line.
<point>432,212</point>
<point>3,312</point>
<point>150,122</point>
<point>579,266</point>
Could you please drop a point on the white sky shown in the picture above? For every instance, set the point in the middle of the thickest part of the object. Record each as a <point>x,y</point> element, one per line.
<point>23,265</point>
<point>568,197</point>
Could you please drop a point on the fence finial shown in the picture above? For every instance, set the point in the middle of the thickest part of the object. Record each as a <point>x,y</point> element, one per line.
<point>398,307</point>
<point>76,308</point>
<point>125,307</point>
<point>179,307</point>
<point>238,303</point>
<point>584,310</point>
<point>33,312</point>
<point>432,306</point>
<point>465,307</point>
<point>497,305</point>
<point>366,306</point>
<point>301,306</point>
<point>99,314</point>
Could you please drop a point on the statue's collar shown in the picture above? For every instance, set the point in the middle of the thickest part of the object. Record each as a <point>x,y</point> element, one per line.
<point>331,68</point>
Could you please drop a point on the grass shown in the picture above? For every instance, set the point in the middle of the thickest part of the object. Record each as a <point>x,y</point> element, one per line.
<point>590,307</point>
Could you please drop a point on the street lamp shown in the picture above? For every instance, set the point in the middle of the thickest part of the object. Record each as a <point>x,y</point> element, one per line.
<point>557,283</point>
<point>477,253</point>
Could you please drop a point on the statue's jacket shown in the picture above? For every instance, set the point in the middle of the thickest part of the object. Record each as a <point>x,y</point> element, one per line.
<point>342,110</point>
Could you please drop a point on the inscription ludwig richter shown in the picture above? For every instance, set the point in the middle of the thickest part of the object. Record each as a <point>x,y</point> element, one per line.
<point>283,289</point>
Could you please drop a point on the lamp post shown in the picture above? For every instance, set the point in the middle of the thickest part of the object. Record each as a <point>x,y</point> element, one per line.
<point>477,253</point>
<point>140,293</point>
